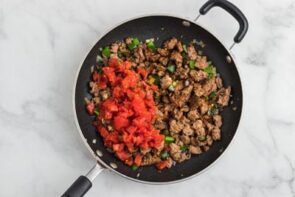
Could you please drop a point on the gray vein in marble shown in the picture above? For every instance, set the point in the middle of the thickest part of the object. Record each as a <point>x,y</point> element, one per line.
<point>51,33</point>
<point>280,122</point>
<point>291,181</point>
<point>272,136</point>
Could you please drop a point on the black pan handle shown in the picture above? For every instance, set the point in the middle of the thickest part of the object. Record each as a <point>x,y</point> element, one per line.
<point>231,9</point>
<point>78,188</point>
<point>81,186</point>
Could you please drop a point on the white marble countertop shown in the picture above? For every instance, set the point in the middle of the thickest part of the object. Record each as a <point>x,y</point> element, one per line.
<point>41,46</point>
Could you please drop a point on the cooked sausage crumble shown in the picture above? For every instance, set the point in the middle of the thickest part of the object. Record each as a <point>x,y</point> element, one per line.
<point>188,99</point>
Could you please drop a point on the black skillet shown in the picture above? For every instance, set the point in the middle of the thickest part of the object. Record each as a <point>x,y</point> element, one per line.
<point>162,27</point>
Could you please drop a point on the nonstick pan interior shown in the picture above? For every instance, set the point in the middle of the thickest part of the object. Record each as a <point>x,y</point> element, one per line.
<point>162,28</point>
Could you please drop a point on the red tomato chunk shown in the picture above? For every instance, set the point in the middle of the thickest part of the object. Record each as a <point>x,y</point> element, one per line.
<point>130,112</point>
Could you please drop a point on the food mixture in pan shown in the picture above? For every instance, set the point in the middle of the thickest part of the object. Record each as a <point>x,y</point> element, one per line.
<point>156,105</point>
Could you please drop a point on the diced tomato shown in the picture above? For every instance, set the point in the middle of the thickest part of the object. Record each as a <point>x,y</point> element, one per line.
<point>138,104</point>
<point>130,80</point>
<point>138,140</point>
<point>90,107</point>
<point>113,62</point>
<point>131,129</point>
<point>106,115</point>
<point>103,131</point>
<point>118,147</point>
<point>120,122</point>
<point>129,161</point>
<point>122,155</point>
<point>125,111</point>
<point>142,72</point>
<point>125,114</point>
<point>139,122</point>
<point>117,92</point>
<point>108,144</point>
<point>102,84</point>
<point>112,137</point>
<point>138,159</point>
<point>150,97</point>
<point>158,140</point>
<point>141,94</point>
<point>95,76</point>
<point>144,145</point>
<point>110,105</point>
<point>154,87</point>
<point>150,103</point>
<point>110,74</point>
<point>130,94</point>
<point>130,146</point>
<point>127,65</point>
<point>130,109</point>
<point>162,164</point>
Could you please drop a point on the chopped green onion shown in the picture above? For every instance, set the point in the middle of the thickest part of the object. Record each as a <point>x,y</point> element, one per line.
<point>210,70</point>
<point>99,59</point>
<point>131,46</point>
<point>202,138</point>
<point>134,167</point>
<point>157,79</point>
<point>106,52</point>
<point>171,88</point>
<point>184,48</point>
<point>169,139</point>
<point>134,43</point>
<point>150,44</point>
<point>213,111</point>
<point>183,148</point>
<point>156,97</point>
<point>99,69</point>
<point>192,64</point>
<point>212,95</point>
<point>119,54</point>
<point>165,155</point>
<point>165,132</point>
<point>96,111</point>
<point>171,68</point>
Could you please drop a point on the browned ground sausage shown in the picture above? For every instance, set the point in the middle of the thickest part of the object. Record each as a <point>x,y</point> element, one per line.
<point>187,99</point>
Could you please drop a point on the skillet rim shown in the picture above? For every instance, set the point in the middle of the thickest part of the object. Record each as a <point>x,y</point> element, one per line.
<point>99,161</point>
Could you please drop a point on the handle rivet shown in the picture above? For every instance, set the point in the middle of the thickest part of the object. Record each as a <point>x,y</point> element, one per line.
<point>99,153</point>
<point>186,23</point>
<point>113,165</point>
<point>228,59</point>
